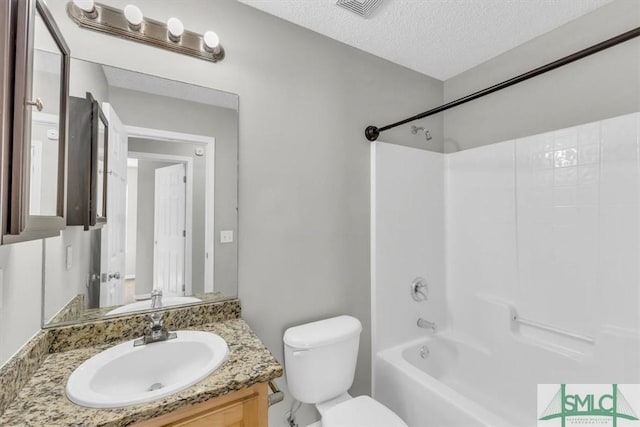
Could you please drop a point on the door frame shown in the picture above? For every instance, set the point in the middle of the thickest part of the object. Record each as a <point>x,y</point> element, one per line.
<point>208,143</point>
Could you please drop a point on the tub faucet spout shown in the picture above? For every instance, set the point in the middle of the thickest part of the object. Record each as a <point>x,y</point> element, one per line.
<point>427,325</point>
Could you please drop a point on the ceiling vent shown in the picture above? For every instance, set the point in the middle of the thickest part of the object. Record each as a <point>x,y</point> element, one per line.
<point>363,8</point>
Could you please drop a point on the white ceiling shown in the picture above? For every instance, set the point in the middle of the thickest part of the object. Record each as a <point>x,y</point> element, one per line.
<point>440,38</point>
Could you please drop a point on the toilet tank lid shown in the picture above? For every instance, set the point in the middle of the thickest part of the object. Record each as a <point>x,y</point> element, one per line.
<point>322,332</point>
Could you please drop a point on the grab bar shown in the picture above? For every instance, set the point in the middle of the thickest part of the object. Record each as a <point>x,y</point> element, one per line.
<point>549,328</point>
<point>276,395</point>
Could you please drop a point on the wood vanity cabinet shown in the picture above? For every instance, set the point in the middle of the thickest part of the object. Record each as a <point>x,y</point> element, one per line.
<point>87,176</point>
<point>243,408</point>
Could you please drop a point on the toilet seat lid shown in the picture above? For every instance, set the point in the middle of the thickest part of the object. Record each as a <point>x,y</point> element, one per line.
<point>361,411</point>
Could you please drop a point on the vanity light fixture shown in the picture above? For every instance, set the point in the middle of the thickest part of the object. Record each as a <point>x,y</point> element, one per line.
<point>131,24</point>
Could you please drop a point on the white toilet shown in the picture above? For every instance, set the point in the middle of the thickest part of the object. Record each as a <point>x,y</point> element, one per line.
<point>320,362</point>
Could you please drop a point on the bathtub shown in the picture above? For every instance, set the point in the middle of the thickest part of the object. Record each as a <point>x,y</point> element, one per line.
<point>443,382</point>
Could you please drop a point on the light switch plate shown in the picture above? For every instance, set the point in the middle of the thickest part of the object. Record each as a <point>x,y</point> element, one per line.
<point>226,236</point>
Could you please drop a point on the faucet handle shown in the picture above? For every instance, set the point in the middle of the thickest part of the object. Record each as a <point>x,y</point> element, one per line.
<point>156,298</point>
<point>419,289</point>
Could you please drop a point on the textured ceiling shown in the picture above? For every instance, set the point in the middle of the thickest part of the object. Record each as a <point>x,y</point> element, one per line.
<point>440,38</point>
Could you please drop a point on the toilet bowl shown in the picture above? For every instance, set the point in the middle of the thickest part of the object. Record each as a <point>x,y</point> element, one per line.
<point>320,363</point>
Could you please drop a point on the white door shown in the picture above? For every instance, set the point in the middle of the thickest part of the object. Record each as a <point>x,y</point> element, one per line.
<point>113,239</point>
<point>169,229</point>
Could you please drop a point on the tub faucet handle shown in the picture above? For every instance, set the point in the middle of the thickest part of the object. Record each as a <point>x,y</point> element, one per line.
<point>419,289</point>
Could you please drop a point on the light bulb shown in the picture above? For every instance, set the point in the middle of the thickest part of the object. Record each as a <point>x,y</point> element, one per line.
<point>88,8</point>
<point>134,16</point>
<point>86,5</point>
<point>211,41</point>
<point>175,28</point>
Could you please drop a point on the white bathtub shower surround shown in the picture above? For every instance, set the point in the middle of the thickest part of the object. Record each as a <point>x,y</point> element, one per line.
<point>407,241</point>
<point>442,389</point>
<point>550,223</point>
<point>447,381</point>
<point>545,229</point>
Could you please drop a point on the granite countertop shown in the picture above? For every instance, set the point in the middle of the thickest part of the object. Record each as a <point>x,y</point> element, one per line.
<point>42,401</point>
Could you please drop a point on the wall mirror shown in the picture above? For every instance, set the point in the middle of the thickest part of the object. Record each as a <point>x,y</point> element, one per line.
<point>171,202</point>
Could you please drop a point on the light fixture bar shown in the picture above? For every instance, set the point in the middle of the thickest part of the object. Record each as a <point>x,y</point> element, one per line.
<point>112,21</point>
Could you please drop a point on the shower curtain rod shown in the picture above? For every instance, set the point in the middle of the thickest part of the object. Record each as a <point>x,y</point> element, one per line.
<point>373,132</point>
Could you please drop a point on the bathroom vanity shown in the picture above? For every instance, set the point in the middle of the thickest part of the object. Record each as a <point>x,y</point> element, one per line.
<point>246,407</point>
<point>235,394</point>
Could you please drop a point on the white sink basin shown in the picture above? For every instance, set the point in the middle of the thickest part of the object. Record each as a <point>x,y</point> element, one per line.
<point>146,304</point>
<point>126,375</point>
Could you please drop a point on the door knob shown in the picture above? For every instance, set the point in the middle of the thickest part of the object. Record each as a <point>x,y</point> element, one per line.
<point>115,275</point>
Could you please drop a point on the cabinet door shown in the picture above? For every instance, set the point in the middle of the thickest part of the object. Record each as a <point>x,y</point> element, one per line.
<point>243,408</point>
<point>7,53</point>
<point>87,155</point>
<point>37,204</point>
<point>99,166</point>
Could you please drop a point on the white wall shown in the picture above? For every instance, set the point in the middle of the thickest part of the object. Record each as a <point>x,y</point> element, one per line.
<point>481,227</point>
<point>548,225</point>
<point>407,211</point>
<point>20,295</point>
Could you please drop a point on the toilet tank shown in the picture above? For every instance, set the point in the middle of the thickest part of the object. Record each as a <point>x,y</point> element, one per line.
<point>320,358</point>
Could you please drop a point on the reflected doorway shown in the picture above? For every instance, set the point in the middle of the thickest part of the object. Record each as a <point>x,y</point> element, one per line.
<point>158,230</point>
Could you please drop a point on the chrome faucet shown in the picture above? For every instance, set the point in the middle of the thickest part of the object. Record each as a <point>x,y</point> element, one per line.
<point>427,325</point>
<point>157,331</point>
<point>156,298</point>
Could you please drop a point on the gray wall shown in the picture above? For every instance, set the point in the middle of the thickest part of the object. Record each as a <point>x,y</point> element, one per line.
<point>160,112</point>
<point>88,77</point>
<point>62,283</point>
<point>603,85</point>
<point>20,295</point>
<point>304,164</point>
<point>145,228</point>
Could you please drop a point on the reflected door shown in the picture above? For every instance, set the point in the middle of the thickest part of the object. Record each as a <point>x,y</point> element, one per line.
<point>113,242</point>
<point>169,229</point>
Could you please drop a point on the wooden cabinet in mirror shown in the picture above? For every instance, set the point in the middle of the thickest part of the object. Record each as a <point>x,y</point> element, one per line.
<point>88,148</point>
